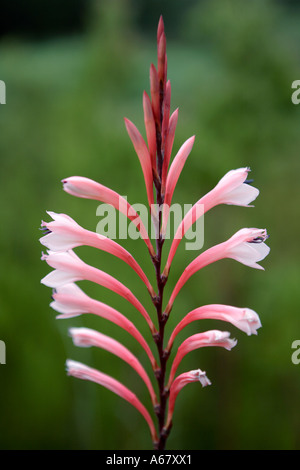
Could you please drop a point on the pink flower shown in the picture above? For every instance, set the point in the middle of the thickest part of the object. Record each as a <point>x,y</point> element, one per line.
<point>201,340</point>
<point>69,268</point>
<point>232,189</point>
<point>70,301</point>
<point>63,234</point>
<point>85,337</point>
<point>244,319</point>
<point>81,371</point>
<point>246,246</point>
<point>178,384</point>
<point>86,188</point>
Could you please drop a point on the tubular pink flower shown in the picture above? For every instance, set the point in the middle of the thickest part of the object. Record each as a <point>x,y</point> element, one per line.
<point>150,129</point>
<point>172,178</point>
<point>69,268</point>
<point>81,371</point>
<point>231,190</point>
<point>70,301</point>
<point>201,340</point>
<point>64,234</point>
<point>144,157</point>
<point>86,337</point>
<point>178,384</point>
<point>86,188</point>
<point>168,147</point>
<point>246,246</point>
<point>244,319</point>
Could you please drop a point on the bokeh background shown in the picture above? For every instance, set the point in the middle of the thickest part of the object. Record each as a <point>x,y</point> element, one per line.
<point>73,70</point>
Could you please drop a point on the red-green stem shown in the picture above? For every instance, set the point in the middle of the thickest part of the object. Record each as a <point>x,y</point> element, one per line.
<point>158,302</point>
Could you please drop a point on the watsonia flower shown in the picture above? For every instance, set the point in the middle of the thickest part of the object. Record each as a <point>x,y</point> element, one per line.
<point>62,235</point>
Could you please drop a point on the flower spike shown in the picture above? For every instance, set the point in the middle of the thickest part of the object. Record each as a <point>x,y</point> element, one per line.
<point>81,371</point>
<point>63,234</point>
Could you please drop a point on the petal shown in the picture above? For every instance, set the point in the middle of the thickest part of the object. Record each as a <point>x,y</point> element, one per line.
<point>241,196</point>
<point>249,253</point>
<point>60,241</point>
<point>56,278</point>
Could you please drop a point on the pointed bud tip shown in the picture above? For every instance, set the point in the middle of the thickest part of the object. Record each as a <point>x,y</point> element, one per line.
<point>160,27</point>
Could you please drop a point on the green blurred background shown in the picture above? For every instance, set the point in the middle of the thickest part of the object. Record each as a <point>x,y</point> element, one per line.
<point>73,70</point>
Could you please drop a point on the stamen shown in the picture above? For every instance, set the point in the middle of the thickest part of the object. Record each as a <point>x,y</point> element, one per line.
<point>45,230</point>
<point>258,240</point>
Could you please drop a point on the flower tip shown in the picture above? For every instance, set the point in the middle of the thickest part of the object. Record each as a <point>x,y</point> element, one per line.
<point>160,28</point>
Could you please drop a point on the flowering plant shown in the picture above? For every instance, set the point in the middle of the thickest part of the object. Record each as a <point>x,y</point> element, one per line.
<point>63,234</point>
